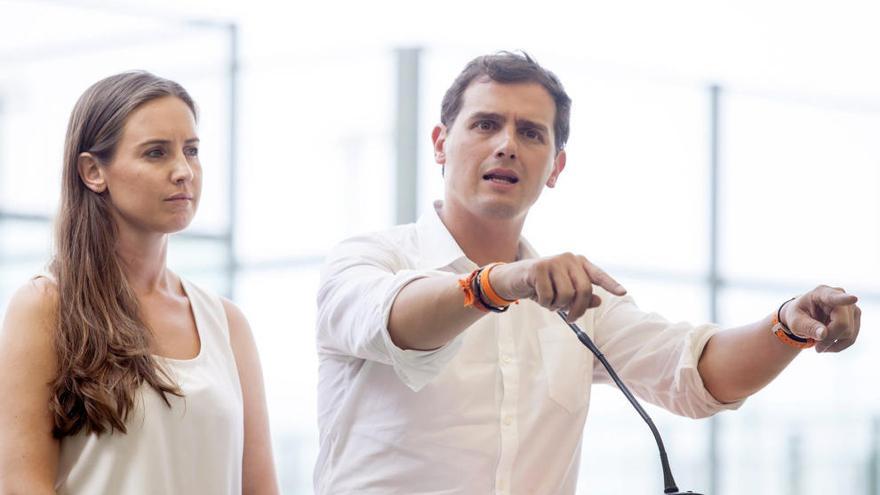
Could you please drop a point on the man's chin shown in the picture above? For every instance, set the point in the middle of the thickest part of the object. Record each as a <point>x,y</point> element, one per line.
<point>501,210</point>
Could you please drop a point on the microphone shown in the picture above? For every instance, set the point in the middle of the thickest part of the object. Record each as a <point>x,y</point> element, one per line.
<point>668,480</point>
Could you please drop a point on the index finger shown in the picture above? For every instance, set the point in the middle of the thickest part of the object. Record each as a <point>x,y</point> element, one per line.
<point>602,279</point>
<point>835,297</point>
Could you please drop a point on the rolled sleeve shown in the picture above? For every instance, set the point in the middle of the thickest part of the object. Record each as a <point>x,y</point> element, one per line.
<point>699,403</point>
<point>656,358</point>
<point>415,368</point>
<point>360,282</point>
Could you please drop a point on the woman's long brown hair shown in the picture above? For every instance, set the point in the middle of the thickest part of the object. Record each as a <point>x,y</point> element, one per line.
<point>102,344</point>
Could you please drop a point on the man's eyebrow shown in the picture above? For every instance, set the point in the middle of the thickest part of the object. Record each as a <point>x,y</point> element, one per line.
<point>519,122</point>
<point>487,116</point>
<point>532,125</point>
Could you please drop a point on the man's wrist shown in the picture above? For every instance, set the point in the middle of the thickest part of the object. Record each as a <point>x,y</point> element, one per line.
<point>782,315</point>
<point>783,332</point>
<point>499,277</point>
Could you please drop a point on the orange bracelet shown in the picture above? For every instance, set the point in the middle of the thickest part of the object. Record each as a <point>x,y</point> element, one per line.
<point>784,334</point>
<point>493,298</point>
<point>467,286</point>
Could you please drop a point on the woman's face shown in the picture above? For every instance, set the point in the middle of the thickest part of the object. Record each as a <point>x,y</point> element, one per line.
<point>155,179</point>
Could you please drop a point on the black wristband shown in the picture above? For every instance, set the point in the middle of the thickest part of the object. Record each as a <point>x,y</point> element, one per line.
<point>785,328</point>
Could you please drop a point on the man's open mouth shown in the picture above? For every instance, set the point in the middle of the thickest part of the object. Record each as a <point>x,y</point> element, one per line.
<point>504,179</point>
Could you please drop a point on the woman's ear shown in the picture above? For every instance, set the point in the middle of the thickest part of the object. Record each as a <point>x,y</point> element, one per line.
<point>91,172</point>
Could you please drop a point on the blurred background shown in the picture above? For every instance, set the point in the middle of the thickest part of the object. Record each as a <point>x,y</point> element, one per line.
<point>724,156</point>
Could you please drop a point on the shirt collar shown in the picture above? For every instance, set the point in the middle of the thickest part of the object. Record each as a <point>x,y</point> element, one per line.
<point>438,249</point>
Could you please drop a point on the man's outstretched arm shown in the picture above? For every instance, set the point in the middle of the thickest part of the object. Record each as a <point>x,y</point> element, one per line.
<point>740,361</point>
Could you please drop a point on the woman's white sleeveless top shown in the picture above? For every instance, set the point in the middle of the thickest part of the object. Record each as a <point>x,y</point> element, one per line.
<point>193,447</point>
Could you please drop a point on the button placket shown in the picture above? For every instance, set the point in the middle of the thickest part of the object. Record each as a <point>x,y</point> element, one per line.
<point>507,416</point>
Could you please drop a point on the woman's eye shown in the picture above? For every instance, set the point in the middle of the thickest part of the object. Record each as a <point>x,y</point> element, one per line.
<point>191,151</point>
<point>155,153</point>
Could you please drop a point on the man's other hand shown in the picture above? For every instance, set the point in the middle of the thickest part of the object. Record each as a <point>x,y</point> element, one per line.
<point>827,314</point>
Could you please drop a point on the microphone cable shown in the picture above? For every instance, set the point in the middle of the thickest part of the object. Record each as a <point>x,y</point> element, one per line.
<point>668,480</point>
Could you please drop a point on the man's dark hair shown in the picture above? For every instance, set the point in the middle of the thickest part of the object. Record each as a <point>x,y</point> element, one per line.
<point>508,67</point>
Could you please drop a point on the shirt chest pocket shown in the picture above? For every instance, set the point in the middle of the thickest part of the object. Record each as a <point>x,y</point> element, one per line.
<point>568,367</point>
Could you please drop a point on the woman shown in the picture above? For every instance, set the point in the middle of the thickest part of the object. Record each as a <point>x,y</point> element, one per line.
<point>118,376</point>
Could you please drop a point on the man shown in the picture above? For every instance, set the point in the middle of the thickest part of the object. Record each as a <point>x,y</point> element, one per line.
<point>432,382</point>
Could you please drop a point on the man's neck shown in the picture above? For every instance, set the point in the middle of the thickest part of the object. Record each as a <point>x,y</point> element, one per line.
<point>483,240</point>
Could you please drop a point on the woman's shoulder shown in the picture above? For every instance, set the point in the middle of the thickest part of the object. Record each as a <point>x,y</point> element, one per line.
<point>31,316</point>
<point>238,324</point>
<point>37,299</point>
<point>199,294</point>
<point>235,319</point>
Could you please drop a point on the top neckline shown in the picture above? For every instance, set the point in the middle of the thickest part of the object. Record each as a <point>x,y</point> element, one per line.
<point>197,319</point>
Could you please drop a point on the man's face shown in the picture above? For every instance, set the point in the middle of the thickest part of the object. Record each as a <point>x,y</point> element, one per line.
<point>499,153</point>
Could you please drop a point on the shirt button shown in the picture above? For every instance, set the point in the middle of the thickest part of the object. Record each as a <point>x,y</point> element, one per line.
<point>508,420</point>
<point>506,359</point>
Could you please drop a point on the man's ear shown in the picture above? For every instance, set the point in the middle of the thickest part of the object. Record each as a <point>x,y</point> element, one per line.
<point>91,172</point>
<point>438,136</point>
<point>558,167</point>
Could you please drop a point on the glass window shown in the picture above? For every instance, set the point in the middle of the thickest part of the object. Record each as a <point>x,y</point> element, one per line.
<point>280,305</point>
<point>811,428</point>
<point>316,159</point>
<point>799,185</point>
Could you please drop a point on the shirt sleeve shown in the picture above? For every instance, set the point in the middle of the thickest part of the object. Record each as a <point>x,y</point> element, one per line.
<point>359,283</point>
<point>656,358</point>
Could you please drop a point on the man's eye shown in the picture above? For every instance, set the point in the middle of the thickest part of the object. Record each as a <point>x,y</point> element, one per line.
<point>155,153</point>
<point>533,135</point>
<point>192,151</point>
<point>485,125</point>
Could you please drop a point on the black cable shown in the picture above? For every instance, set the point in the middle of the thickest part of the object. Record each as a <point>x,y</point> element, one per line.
<point>668,480</point>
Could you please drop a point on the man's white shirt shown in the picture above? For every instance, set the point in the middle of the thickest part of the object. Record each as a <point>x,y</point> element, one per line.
<point>498,410</point>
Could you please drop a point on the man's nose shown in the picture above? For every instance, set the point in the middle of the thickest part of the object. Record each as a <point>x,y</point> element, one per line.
<point>507,148</point>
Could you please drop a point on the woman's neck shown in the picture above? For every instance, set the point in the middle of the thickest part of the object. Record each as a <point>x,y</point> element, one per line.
<point>142,256</point>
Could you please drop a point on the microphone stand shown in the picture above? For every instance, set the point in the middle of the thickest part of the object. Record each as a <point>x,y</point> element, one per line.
<point>668,480</point>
